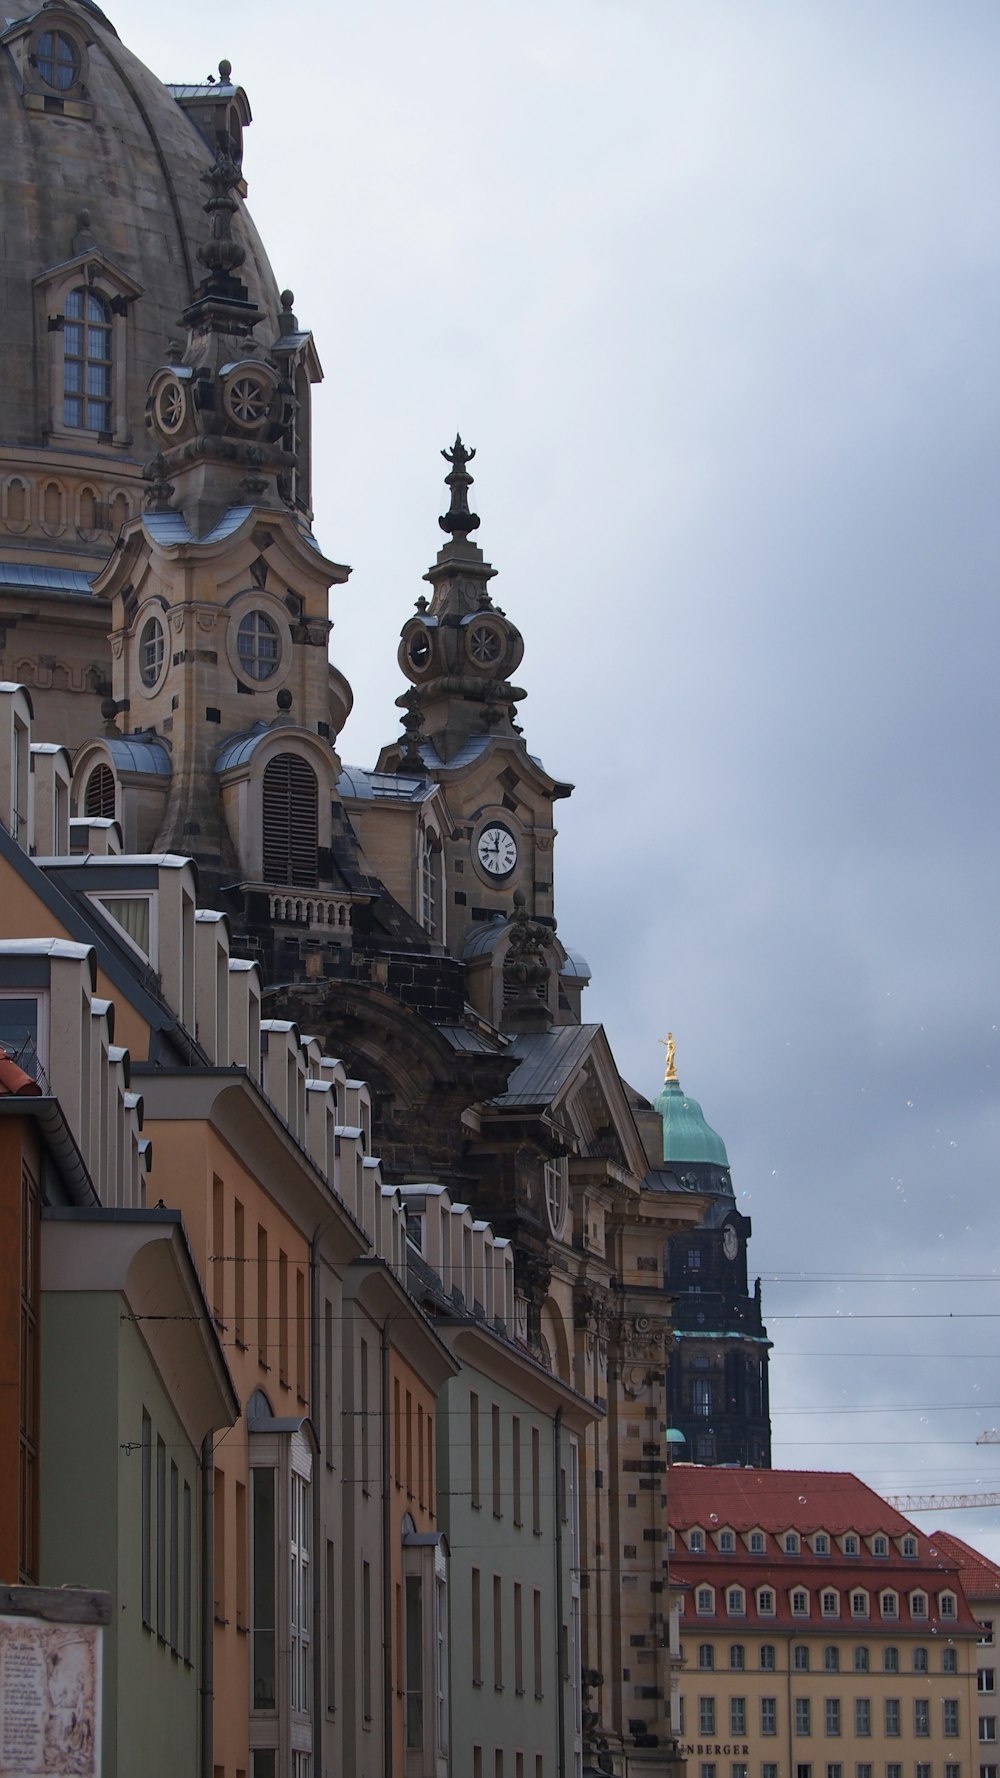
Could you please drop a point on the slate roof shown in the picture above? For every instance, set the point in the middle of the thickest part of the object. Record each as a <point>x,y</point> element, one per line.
<point>547,1060</point>
<point>370,786</point>
<point>140,753</point>
<point>172,527</point>
<point>34,577</point>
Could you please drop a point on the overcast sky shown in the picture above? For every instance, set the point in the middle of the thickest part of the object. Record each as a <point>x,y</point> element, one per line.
<point>712,287</point>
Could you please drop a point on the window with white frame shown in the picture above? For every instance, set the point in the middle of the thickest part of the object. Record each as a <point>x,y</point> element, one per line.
<point>791,1543</point>
<point>705,1601</point>
<point>765,1601</point>
<point>947,1605</point>
<point>425,1650</point>
<point>757,1543</point>
<point>890,1604</point>
<point>821,1544</point>
<point>850,1543</point>
<point>736,1601</point>
<point>918,1605</point>
<point>800,1602</point>
<point>696,1542</point>
<point>829,1602</point>
<point>880,1544</point>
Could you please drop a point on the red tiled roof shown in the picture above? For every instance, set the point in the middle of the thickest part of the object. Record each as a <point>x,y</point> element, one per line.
<point>980,1576</point>
<point>777,1500</point>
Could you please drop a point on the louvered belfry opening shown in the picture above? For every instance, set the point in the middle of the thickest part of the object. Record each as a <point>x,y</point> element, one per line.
<point>291,821</point>
<point>99,800</point>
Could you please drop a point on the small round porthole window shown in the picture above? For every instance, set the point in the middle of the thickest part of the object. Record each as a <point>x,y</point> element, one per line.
<point>484,644</point>
<point>57,60</point>
<point>258,645</point>
<point>151,651</point>
<point>418,649</point>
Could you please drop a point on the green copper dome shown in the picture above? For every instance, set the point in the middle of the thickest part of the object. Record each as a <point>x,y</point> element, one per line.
<point>686,1135</point>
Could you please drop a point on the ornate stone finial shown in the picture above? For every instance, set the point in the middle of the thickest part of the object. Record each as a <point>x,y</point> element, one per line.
<point>287,322</point>
<point>458,519</point>
<point>670,1072</point>
<point>225,71</point>
<point>159,491</point>
<point>221,255</point>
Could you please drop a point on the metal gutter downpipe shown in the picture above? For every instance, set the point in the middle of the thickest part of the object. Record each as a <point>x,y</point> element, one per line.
<point>206,1689</point>
<point>560,1684</point>
<point>386,1561</point>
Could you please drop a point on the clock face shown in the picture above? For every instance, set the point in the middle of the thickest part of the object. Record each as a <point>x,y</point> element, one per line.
<point>730,1241</point>
<point>496,850</point>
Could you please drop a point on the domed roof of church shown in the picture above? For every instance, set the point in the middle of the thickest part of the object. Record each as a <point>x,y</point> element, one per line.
<point>687,1136</point>
<point>100,157</point>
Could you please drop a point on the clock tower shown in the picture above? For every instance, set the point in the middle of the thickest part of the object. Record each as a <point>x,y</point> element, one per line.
<point>718,1382</point>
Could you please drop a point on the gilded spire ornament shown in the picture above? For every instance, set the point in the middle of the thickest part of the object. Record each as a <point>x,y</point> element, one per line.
<point>670,1071</point>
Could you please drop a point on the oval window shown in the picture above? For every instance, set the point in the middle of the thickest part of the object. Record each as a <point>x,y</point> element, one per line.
<point>57,60</point>
<point>151,651</point>
<point>258,645</point>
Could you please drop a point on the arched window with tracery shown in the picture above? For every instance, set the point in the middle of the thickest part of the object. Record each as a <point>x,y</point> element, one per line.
<point>87,361</point>
<point>99,796</point>
<point>290,821</point>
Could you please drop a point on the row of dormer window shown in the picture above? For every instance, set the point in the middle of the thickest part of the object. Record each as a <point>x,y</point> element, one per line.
<point>793,1543</point>
<point>830,1602</point>
<point>801,1659</point>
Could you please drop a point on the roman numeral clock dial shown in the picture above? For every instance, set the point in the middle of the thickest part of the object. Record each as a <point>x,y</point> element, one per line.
<point>496,851</point>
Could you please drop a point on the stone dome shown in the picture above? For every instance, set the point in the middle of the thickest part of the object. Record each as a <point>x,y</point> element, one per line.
<point>100,187</point>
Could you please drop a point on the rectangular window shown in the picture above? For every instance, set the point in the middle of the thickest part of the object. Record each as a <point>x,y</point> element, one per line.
<point>497,1633</point>
<point>862,1770</point>
<point>219,1547</point>
<point>474,1481</point>
<point>330,1625</point>
<point>706,1716</point>
<point>262,1297</point>
<point>861,1662</point>
<point>987,1728</point>
<point>536,1482</point>
<point>769,1769</point>
<point>263,1593</point>
<point>862,1716</point>
<point>242,1560</point>
<point>949,1717</point>
<point>301,1331</point>
<point>923,1769</point>
<point>737,1716</point>
<point>536,1639</point>
<point>954,1770</point>
<point>518,1641</point>
<point>186,1556</point>
<point>803,1716</point>
<point>921,1716</point>
<point>218,1249</point>
<point>831,1716</point>
<point>300,1594</point>
<point>986,1627</point>
<point>147,1521</point>
<point>239,1274</point>
<point>495,1459</point>
<point>414,1664</point>
<point>893,1770</point>
<point>767,1657</point>
<point>892,1716</point>
<point>835,1770</point>
<point>706,1771</point>
<point>364,1429</point>
<point>161,1539</point>
<point>476,1613</point>
<point>769,1716</point>
<point>175,1557</point>
<point>986,1679</point>
<point>800,1658</point>
<point>282,1317</point>
<point>366,1640</point>
<point>516,1460</point>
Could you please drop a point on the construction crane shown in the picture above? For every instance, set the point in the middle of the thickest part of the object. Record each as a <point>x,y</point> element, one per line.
<point>940,1503</point>
<point>989,1438</point>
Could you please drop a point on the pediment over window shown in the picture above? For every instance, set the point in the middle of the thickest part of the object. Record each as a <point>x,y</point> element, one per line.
<point>83,314</point>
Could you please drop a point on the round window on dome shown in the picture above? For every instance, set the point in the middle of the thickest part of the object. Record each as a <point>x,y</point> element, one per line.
<point>418,649</point>
<point>484,644</point>
<point>258,645</point>
<point>151,651</point>
<point>57,60</point>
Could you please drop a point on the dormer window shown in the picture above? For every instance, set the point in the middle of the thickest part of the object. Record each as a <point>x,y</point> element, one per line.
<point>851,1543</point>
<point>800,1603</point>
<point>87,361</point>
<point>909,1547</point>
<point>791,1543</point>
<point>727,1542</point>
<point>821,1544</point>
<point>705,1600</point>
<point>696,1542</point>
<point>880,1545</point>
<point>757,1543</point>
<point>57,60</point>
